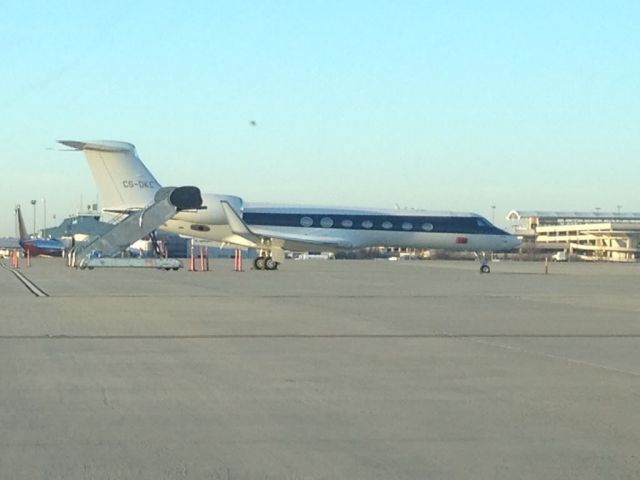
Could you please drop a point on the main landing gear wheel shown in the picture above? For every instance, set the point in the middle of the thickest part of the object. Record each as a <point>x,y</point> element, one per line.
<point>259,263</point>
<point>265,263</point>
<point>270,264</point>
<point>485,269</point>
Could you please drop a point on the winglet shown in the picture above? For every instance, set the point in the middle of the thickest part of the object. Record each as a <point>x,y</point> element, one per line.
<point>237,225</point>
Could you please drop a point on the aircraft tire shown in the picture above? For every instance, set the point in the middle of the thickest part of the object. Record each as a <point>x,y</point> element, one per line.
<point>259,263</point>
<point>270,264</point>
<point>485,269</point>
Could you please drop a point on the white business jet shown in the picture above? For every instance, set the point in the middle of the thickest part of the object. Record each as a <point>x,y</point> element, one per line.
<point>126,185</point>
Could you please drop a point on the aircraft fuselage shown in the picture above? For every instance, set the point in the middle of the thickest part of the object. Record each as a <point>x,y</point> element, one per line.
<point>36,247</point>
<point>350,227</point>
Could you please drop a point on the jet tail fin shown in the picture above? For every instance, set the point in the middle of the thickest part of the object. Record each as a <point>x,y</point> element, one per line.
<point>123,181</point>
<point>21,227</point>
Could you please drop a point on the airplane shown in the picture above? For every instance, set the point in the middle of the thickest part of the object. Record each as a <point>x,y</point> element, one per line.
<point>37,246</point>
<point>126,185</point>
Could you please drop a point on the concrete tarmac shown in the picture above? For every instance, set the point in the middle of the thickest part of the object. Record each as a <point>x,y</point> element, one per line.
<point>322,370</point>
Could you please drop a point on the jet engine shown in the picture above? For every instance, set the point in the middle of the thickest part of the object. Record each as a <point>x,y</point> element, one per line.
<point>212,212</point>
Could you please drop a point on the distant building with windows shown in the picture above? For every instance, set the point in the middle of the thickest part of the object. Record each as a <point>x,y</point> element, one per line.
<point>599,236</point>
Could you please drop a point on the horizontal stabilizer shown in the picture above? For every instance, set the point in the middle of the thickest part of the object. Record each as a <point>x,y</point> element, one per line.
<point>101,146</point>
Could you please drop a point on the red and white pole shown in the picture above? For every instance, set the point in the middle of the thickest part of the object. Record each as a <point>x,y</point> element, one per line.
<point>192,260</point>
<point>237,264</point>
<point>204,260</point>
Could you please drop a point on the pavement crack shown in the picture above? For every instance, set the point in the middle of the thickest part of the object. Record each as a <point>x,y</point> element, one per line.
<point>573,361</point>
<point>105,398</point>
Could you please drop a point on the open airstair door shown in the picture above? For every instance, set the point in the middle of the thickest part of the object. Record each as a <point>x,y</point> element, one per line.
<point>140,223</point>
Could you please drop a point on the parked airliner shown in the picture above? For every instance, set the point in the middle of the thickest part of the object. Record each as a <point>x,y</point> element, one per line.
<point>37,246</point>
<point>125,185</point>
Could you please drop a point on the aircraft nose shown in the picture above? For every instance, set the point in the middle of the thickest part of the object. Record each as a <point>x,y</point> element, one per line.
<point>515,241</point>
<point>510,242</point>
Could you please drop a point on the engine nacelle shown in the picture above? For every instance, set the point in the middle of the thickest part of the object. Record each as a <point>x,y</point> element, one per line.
<point>213,214</point>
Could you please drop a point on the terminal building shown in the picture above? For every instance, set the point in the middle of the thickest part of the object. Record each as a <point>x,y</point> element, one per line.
<point>597,236</point>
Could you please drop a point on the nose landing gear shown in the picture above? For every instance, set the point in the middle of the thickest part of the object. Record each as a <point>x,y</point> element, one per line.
<point>484,262</point>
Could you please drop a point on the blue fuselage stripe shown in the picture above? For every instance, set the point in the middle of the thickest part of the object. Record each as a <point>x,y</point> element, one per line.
<point>462,225</point>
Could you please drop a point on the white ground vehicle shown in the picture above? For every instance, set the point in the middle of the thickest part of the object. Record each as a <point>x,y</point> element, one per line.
<point>560,256</point>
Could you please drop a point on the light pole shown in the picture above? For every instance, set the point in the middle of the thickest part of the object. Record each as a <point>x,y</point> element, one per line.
<point>33,202</point>
<point>618,207</point>
<point>493,214</point>
<point>44,217</point>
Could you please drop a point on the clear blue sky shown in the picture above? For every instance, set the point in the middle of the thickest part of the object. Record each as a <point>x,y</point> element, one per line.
<point>444,105</point>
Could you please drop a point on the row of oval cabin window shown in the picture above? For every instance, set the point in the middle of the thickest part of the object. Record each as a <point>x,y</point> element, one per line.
<point>327,222</point>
